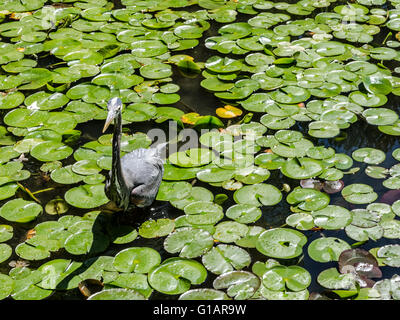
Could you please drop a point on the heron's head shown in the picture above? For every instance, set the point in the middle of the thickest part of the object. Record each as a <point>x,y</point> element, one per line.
<point>114,106</point>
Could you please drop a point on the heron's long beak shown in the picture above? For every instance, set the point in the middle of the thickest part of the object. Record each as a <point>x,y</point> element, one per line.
<point>110,118</point>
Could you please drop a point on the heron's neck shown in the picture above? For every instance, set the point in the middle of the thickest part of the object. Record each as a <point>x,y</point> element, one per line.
<point>117,176</point>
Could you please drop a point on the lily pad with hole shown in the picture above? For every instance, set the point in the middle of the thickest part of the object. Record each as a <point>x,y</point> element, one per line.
<point>244,213</point>
<point>204,294</point>
<point>323,129</point>
<point>282,243</point>
<point>6,286</point>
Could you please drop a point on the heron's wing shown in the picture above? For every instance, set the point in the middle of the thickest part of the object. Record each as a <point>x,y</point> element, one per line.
<point>141,166</point>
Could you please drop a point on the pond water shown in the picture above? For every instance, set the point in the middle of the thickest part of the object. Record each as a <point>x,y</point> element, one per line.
<point>100,31</point>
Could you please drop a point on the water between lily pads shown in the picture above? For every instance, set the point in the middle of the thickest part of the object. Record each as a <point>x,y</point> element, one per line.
<point>194,98</point>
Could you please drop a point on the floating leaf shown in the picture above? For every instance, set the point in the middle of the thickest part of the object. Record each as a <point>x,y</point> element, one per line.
<point>189,242</point>
<point>19,210</point>
<point>281,243</point>
<point>156,228</point>
<point>86,196</point>
<point>175,275</point>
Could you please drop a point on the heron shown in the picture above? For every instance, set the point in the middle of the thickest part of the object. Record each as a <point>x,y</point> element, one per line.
<point>135,178</point>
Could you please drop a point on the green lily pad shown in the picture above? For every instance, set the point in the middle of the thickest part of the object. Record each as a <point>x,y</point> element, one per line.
<point>327,249</point>
<point>5,252</point>
<point>19,210</point>
<point>176,275</point>
<point>6,287</point>
<point>332,279</point>
<point>332,217</point>
<point>86,196</point>
<point>56,206</point>
<point>224,258</point>
<point>117,81</point>
<point>393,130</point>
<point>281,243</point>
<point>369,155</point>
<point>30,252</point>
<point>189,242</point>
<point>51,151</point>
<point>192,157</point>
<point>240,285</point>
<point>359,193</point>
<point>203,212</point>
<point>65,175</point>
<point>323,129</point>
<point>6,232</point>
<point>156,71</point>
<point>230,231</point>
<point>136,259</point>
<point>376,172</point>
<point>377,84</point>
<point>380,116</point>
<point>390,255</point>
<point>258,195</point>
<point>148,48</point>
<point>302,168</point>
<point>117,294</point>
<point>280,278</point>
<point>308,199</point>
<point>11,100</point>
<point>156,228</point>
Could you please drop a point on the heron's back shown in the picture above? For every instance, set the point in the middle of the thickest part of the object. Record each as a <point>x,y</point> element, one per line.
<point>141,166</point>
